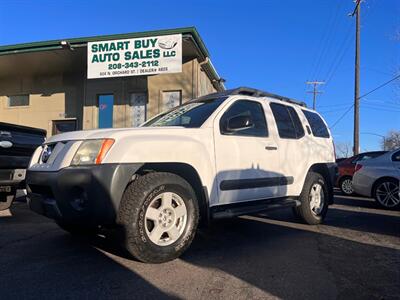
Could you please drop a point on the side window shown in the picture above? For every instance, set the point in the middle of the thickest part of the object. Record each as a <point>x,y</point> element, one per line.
<point>245,108</point>
<point>287,121</point>
<point>357,158</point>
<point>396,156</point>
<point>318,126</point>
<point>296,122</point>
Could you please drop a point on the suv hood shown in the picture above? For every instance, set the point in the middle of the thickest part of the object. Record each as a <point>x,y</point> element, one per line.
<point>110,133</point>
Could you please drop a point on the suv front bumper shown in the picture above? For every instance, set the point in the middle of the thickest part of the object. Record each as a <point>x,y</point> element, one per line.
<point>10,181</point>
<point>80,195</point>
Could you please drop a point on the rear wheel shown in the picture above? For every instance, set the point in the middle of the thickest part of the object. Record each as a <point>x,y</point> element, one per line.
<point>159,216</point>
<point>314,199</point>
<point>346,186</point>
<point>386,193</point>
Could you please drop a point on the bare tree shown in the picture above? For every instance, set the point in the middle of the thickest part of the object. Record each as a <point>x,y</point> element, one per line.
<point>392,140</point>
<point>343,150</point>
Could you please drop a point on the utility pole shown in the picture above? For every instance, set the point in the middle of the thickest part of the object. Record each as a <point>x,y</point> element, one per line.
<point>315,90</point>
<point>356,136</point>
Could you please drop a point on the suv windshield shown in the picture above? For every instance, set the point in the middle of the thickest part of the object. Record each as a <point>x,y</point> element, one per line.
<point>191,114</point>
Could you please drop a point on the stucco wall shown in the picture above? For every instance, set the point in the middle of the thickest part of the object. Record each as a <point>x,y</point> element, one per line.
<point>50,98</point>
<point>64,96</point>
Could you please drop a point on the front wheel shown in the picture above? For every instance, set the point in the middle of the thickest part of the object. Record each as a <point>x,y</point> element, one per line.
<point>386,193</point>
<point>314,199</point>
<point>159,215</point>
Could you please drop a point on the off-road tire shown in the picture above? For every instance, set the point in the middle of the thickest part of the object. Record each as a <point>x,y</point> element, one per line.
<point>304,211</point>
<point>131,216</point>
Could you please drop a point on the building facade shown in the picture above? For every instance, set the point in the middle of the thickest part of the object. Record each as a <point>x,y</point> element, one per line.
<point>46,84</point>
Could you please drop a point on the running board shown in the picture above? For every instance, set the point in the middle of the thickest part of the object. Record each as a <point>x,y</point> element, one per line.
<point>251,207</point>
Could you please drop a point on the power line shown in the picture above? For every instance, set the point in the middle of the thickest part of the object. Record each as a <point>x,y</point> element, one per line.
<point>366,94</point>
<point>342,116</point>
<point>329,77</point>
<point>325,41</point>
<point>332,110</point>
<point>326,51</point>
<point>381,86</point>
<point>339,57</point>
<point>380,108</point>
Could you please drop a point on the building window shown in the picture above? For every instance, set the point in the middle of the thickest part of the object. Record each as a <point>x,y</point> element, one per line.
<point>18,100</point>
<point>61,126</point>
<point>138,103</point>
<point>171,99</point>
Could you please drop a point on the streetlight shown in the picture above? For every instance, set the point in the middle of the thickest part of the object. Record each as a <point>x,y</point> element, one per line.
<point>382,136</point>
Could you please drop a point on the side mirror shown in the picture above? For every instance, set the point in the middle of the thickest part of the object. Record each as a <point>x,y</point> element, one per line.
<point>239,123</point>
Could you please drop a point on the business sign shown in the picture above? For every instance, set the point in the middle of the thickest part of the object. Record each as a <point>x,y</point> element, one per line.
<point>135,57</point>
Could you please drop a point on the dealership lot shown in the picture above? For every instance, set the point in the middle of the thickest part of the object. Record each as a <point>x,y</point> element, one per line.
<point>355,254</point>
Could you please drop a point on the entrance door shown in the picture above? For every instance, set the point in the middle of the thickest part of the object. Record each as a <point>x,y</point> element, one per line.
<point>247,160</point>
<point>106,103</point>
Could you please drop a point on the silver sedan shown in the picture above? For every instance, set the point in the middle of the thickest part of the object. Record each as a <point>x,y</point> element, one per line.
<point>379,178</point>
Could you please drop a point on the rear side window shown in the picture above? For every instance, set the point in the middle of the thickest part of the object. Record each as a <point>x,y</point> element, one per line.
<point>396,156</point>
<point>318,126</point>
<point>287,121</point>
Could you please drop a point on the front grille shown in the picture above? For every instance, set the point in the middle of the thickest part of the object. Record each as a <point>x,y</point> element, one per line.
<point>50,152</point>
<point>47,152</point>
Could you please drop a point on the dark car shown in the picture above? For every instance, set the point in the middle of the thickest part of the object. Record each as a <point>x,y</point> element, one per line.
<point>346,169</point>
<point>17,144</point>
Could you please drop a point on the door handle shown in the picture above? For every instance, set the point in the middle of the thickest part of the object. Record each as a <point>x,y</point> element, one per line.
<point>271,148</point>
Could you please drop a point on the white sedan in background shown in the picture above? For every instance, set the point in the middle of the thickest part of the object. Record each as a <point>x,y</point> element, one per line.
<point>379,178</point>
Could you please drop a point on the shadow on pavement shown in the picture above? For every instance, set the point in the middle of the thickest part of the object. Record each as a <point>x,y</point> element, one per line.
<point>355,201</point>
<point>237,258</point>
<point>42,261</point>
<point>293,264</point>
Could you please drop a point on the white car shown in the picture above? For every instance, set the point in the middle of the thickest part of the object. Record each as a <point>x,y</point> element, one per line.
<point>379,178</point>
<point>222,155</point>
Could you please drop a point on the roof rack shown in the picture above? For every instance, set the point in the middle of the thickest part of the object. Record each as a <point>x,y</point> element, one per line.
<point>245,91</point>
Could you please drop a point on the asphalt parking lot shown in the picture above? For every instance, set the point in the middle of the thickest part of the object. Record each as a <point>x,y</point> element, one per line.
<point>355,254</point>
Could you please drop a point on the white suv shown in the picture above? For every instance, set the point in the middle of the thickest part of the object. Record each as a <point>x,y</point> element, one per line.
<point>222,155</point>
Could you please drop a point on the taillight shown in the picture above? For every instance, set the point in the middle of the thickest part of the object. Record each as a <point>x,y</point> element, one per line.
<point>357,167</point>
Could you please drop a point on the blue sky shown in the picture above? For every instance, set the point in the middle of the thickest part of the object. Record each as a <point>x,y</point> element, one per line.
<point>272,45</point>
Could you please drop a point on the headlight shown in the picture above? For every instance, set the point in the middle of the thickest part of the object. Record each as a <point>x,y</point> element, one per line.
<point>92,152</point>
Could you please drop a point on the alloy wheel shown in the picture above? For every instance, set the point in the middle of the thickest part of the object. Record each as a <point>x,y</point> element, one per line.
<point>387,194</point>
<point>165,218</point>
<point>317,198</point>
<point>347,186</point>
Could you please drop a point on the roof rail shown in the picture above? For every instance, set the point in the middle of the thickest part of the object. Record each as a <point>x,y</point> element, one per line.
<point>245,91</point>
